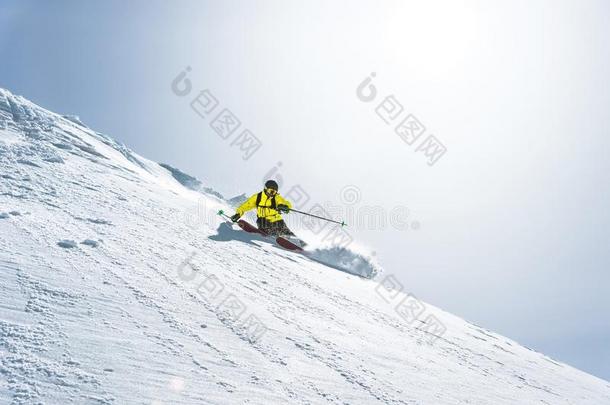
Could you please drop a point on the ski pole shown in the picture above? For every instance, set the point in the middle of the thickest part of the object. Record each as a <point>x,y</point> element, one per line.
<point>316,216</point>
<point>222,213</point>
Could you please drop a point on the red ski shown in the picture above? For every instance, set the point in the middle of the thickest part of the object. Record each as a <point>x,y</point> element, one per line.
<point>250,228</point>
<point>288,244</point>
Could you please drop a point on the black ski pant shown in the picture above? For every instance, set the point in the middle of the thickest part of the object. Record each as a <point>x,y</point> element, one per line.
<point>276,228</point>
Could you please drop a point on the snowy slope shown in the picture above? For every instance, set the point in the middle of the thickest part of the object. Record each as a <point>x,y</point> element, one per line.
<point>111,293</point>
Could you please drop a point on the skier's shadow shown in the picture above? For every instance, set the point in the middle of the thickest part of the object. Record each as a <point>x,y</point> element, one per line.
<point>226,232</point>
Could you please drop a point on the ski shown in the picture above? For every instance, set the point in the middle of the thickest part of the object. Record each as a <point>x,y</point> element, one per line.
<point>288,244</point>
<point>246,226</point>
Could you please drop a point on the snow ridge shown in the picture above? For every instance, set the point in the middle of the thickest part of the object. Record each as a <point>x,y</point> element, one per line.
<point>191,182</point>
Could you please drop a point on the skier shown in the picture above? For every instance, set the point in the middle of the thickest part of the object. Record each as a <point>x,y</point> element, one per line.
<point>269,205</point>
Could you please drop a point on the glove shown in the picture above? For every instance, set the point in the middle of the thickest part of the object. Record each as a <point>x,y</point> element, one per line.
<point>235,217</point>
<point>283,208</point>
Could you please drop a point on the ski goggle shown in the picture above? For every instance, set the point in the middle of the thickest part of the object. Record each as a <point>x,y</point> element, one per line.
<point>270,191</point>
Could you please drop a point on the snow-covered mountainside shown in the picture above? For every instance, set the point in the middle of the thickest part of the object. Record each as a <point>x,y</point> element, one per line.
<point>120,285</point>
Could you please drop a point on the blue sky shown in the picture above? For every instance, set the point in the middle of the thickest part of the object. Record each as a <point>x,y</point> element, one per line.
<point>514,225</point>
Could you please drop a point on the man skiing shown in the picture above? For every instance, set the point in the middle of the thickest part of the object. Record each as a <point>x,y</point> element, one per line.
<point>269,205</point>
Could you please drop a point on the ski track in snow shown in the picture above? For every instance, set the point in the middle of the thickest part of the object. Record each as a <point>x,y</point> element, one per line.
<point>95,310</point>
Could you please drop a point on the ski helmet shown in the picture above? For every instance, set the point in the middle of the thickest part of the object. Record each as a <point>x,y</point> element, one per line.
<point>272,184</point>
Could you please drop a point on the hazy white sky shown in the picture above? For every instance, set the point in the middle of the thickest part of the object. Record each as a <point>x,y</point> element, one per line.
<point>513,218</point>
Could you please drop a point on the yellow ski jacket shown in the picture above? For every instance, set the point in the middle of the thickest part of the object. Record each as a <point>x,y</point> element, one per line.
<point>265,206</point>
